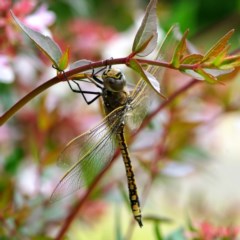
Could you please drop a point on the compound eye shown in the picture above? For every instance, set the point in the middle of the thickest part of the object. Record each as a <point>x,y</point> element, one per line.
<point>113,80</point>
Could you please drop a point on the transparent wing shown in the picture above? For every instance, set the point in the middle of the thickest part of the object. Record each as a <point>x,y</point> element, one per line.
<point>91,152</point>
<point>139,103</point>
<point>142,96</point>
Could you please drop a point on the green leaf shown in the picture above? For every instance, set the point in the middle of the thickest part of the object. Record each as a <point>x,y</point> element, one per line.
<point>149,78</point>
<point>13,160</point>
<point>175,46</point>
<point>218,72</point>
<point>118,227</point>
<point>190,225</point>
<point>146,38</point>
<point>45,43</point>
<point>207,76</point>
<point>230,62</point>
<point>219,47</point>
<point>64,60</point>
<point>217,61</point>
<point>192,59</point>
<point>157,232</point>
<point>181,47</point>
<point>210,75</point>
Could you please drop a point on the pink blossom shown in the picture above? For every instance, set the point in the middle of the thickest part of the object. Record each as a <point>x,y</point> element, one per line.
<point>90,37</point>
<point>208,231</point>
<point>23,7</point>
<point>5,5</point>
<point>41,19</point>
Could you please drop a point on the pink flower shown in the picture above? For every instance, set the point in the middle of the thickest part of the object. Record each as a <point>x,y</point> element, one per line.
<point>40,20</point>
<point>23,7</point>
<point>208,231</point>
<point>89,37</point>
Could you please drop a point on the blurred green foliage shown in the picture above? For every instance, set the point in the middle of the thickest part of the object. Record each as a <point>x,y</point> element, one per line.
<point>196,15</point>
<point>112,13</point>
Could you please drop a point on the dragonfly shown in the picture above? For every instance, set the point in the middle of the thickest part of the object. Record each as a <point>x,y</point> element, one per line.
<point>92,151</point>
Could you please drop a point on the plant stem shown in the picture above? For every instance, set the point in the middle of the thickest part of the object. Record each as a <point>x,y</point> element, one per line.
<point>53,81</point>
<point>68,74</point>
<point>26,99</point>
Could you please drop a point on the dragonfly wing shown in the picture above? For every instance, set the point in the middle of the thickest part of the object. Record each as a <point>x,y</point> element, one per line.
<point>91,152</point>
<point>142,95</point>
<point>140,101</point>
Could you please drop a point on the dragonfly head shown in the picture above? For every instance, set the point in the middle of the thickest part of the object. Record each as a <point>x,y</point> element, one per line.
<point>113,80</point>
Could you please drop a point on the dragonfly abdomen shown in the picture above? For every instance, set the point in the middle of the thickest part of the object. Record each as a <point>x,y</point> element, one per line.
<point>132,187</point>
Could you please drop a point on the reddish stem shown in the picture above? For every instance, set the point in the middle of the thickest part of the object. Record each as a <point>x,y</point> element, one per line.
<point>68,74</point>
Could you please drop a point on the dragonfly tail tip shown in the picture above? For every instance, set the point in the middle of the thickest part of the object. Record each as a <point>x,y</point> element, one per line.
<point>139,220</point>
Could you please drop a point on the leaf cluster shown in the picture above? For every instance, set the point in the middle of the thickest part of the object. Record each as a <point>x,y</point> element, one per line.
<point>175,52</point>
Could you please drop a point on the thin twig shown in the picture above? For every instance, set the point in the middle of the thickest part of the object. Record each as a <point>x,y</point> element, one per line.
<point>53,81</point>
<point>70,73</point>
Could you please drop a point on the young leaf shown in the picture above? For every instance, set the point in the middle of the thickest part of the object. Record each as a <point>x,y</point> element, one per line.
<point>45,43</point>
<point>146,38</point>
<point>230,62</point>
<point>217,61</point>
<point>149,78</point>
<point>218,47</point>
<point>64,60</point>
<point>181,47</point>
<point>210,75</point>
<point>193,74</point>
<point>207,76</point>
<point>192,59</point>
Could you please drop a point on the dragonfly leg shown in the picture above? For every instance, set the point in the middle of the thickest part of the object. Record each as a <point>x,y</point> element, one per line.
<point>79,90</point>
<point>94,75</point>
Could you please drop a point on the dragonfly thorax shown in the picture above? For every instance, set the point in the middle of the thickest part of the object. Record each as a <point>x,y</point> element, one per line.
<point>113,80</point>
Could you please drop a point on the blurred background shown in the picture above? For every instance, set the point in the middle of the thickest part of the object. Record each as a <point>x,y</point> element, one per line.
<point>191,190</point>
